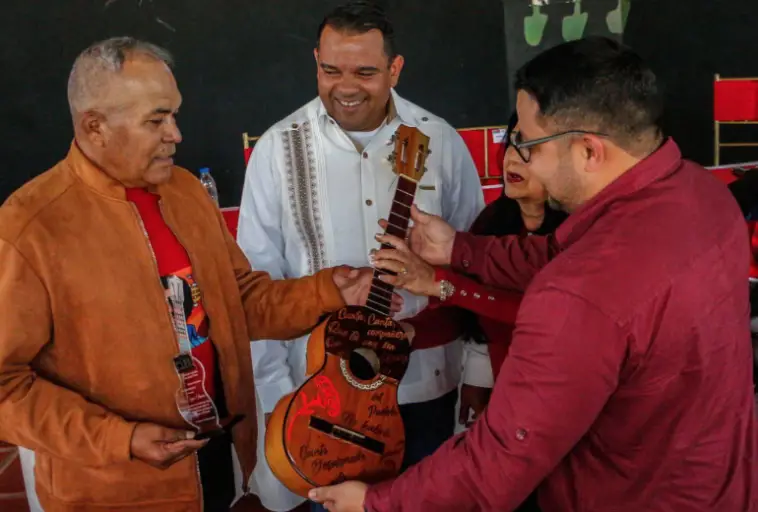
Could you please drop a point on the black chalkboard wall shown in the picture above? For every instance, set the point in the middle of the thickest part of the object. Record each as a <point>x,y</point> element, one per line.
<point>244,64</point>
<point>241,66</point>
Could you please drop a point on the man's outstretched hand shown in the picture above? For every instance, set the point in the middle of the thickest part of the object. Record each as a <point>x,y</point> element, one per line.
<point>354,285</point>
<point>430,237</point>
<point>344,497</point>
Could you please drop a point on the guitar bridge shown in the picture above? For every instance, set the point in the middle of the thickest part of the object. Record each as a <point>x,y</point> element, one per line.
<point>345,434</point>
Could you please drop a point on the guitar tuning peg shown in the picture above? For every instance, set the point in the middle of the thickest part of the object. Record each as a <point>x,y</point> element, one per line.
<point>392,140</point>
<point>428,152</point>
<point>391,157</point>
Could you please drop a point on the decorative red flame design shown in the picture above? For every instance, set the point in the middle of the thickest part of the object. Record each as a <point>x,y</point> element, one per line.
<point>326,399</point>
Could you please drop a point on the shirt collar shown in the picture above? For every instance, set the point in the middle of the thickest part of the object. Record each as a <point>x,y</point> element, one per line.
<point>657,166</point>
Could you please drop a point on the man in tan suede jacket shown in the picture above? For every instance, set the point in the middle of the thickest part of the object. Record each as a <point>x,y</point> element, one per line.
<point>87,342</point>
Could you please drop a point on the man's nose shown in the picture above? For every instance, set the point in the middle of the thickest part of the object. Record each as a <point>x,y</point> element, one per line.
<point>173,134</point>
<point>347,86</point>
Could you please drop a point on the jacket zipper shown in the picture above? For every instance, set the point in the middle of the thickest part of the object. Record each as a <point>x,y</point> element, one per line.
<point>157,272</point>
<point>245,485</point>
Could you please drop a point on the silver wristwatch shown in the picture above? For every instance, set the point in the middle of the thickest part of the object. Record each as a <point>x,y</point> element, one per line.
<point>446,290</point>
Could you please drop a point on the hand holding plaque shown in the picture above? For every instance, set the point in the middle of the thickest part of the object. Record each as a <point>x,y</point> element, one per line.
<point>162,447</point>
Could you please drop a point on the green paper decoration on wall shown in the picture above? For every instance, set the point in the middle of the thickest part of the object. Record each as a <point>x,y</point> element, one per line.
<point>618,17</point>
<point>534,26</point>
<point>574,25</point>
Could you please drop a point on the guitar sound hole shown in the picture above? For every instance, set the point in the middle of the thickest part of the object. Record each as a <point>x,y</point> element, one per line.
<point>364,363</point>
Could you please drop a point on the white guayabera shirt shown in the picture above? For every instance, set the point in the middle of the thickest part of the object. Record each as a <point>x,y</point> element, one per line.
<point>312,199</point>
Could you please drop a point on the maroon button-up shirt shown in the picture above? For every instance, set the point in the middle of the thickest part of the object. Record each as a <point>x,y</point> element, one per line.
<point>628,385</point>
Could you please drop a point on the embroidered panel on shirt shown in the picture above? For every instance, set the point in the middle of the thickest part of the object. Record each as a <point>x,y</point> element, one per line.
<point>302,182</point>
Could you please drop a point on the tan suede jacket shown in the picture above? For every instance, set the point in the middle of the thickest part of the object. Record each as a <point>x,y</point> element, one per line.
<point>86,342</point>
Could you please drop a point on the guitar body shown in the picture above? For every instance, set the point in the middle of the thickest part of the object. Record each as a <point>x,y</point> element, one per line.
<point>338,426</point>
<point>344,422</point>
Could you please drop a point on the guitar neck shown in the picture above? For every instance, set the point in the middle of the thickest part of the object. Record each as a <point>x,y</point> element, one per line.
<point>180,326</point>
<point>176,303</point>
<point>380,294</point>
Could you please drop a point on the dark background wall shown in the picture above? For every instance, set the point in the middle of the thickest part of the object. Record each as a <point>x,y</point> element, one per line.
<point>244,64</point>
<point>530,30</point>
<point>687,43</point>
<point>241,66</point>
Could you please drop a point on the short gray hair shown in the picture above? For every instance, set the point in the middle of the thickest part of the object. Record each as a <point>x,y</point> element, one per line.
<point>90,70</point>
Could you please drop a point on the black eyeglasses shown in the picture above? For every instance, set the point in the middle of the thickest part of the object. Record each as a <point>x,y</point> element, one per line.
<point>523,147</point>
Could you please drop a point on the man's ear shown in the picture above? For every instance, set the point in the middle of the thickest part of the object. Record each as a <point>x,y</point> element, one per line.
<point>396,66</point>
<point>92,125</point>
<point>594,152</point>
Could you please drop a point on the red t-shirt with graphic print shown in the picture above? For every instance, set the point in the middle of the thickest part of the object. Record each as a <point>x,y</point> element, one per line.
<point>172,259</point>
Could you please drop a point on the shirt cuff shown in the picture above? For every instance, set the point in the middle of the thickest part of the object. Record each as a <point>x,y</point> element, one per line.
<point>121,438</point>
<point>477,370</point>
<point>270,394</point>
<point>442,274</point>
<point>378,497</point>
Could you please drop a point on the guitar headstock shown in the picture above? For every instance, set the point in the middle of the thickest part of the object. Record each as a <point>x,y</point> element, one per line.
<point>411,149</point>
<point>176,287</point>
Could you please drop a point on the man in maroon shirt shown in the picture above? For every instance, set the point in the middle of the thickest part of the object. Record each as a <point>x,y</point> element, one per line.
<point>628,384</point>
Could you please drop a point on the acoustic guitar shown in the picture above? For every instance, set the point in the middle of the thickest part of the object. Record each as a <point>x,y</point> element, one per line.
<point>344,423</point>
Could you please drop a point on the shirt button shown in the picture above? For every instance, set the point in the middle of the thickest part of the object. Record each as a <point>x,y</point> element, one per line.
<point>424,119</point>
<point>521,434</point>
<point>465,263</point>
<point>491,297</point>
<point>294,125</point>
<point>436,373</point>
<point>365,154</point>
<point>369,202</point>
<point>463,293</point>
<point>476,295</point>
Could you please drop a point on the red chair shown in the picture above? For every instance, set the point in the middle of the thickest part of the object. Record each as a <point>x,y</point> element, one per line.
<point>735,102</point>
<point>487,150</point>
<point>751,226</point>
<point>248,143</point>
<point>726,174</point>
<point>232,217</point>
<point>485,144</point>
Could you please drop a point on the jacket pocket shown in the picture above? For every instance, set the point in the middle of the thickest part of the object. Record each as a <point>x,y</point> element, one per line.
<point>131,483</point>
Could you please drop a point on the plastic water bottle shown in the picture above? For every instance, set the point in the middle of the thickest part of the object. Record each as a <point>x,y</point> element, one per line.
<point>209,183</point>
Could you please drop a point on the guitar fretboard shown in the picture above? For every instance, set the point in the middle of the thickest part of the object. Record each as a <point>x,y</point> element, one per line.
<point>380,295</point>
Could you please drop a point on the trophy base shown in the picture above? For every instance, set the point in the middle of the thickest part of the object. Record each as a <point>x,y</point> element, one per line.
<point>226,427</point>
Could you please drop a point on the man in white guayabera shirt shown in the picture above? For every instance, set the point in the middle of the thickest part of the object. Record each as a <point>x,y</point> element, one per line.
<point>317,184</point>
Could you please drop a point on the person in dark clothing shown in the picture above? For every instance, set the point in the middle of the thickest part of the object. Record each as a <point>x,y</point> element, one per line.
<point>745,192</point>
